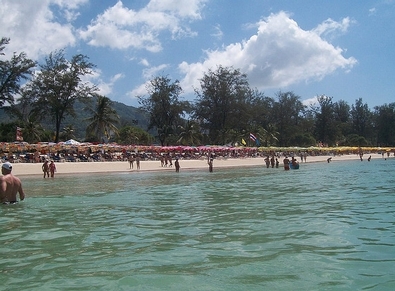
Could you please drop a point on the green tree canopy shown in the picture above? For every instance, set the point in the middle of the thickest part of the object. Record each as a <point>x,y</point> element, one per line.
<point>222,104</point>
<point>163,106</point>
<point>12,73</point>
<point>190,133</point>
<point>134,135</point>
<point>385,124</point>
<point>102,123</point>
<point>288,112</point>
<point>58,85</point>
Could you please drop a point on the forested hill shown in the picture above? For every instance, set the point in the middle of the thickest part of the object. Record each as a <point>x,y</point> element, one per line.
<point>129,115</point>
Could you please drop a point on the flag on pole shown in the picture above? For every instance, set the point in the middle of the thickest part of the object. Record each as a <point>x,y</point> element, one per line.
<point>243,142</point>
<point>19,136</point>
<point>254,138</point>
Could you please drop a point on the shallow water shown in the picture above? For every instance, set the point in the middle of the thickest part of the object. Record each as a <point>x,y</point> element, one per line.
<point>323,227</point>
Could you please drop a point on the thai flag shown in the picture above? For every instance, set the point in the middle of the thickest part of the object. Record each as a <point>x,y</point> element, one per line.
<point>252,137</point>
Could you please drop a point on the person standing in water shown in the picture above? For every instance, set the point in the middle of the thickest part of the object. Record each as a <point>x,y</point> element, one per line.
<point>10,186</point>
<point>45,168</point>
<point>138,159</point>
<point>210,165</point>
<point>52,169</point>
<point>286,163</point>
<point>177,165</point>
<point>131,161</point>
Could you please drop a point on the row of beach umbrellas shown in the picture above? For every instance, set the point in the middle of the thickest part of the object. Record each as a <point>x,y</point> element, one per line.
<point>81,146</point>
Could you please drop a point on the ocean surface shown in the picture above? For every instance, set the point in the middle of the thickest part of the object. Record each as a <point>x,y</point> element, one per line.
<point>322,227</point>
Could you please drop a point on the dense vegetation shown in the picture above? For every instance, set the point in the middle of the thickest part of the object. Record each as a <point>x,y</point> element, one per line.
<point>54,104</point>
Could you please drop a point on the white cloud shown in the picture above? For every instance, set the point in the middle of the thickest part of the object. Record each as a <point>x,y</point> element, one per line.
<point>278,55</point>
<point>139,91</point>
<point>33,28</point>
<point>150,73</point>
<point>217,32</point>
<point>120,27</point>
<point>144,62</point>
<point>372,11</point>
<point>330,27</point>
<point>310,102</point>
<point>105,88</point>
<point>182,8</point>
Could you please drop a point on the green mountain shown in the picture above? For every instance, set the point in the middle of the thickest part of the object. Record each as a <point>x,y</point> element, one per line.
<point>128,115</point>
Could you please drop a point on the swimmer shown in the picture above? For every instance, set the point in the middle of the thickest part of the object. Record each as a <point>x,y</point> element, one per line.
<point>10,186</point>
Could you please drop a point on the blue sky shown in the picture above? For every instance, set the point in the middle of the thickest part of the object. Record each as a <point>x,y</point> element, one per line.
<point>343,49</point>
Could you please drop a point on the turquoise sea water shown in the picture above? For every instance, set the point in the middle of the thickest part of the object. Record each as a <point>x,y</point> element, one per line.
<point>322,227</point>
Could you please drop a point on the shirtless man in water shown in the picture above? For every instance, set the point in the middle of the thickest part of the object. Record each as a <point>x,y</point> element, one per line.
<point>9,185</point>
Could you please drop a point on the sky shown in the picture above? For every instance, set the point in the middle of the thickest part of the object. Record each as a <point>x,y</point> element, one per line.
<point>340,48</point>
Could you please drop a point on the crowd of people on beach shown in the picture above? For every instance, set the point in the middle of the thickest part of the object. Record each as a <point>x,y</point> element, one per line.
<point>10,185</point>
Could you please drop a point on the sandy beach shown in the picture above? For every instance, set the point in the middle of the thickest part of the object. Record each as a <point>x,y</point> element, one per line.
<point>30,169</point>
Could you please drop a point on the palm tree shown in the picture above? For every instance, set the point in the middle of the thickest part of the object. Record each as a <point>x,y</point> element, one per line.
<point>104,117</point>
<point>269,135</point>
<point>68,132</point>
<point>190,134</point>
<point>32,130</point>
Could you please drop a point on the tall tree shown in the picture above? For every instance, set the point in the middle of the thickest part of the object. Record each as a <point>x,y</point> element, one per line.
<point>67,132</point>
<point>362,121</point>
<point>288,112</point>
<point>32,130</point>
<point>163,106</point>
<point>325,126</point>
<point>103,120</point>
<point>58,85</point>
<point>134,135</point>
<point>342,120</point>
<point>222,103</point>
<point>28,121</point>
<point>385,124</point>
<point>12,73</point>
<point>190,133</point>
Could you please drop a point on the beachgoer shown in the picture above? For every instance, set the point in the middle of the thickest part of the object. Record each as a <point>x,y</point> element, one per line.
<point>131,161</point>
<point>138,162</point>
<point>286,163</point>
<point>277,163</point>
<point>210,165</point>
<point>10,185</point>
<point>162,161</point>
<point>294,162</point>
<point>166,161</point>
<point>267,162</point>
<point>329,159</point>
<point>370,157</point>
<point>177,165</point>
<point>45,168</point>
<point>272,161</point>
<point>52,169</point>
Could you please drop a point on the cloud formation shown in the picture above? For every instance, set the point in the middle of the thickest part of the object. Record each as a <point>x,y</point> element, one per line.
<point>34,28</point>
<point>278,55</point>
<point>121,28</point>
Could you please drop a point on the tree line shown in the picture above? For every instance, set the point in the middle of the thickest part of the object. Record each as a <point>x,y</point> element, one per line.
<point>226,110</point>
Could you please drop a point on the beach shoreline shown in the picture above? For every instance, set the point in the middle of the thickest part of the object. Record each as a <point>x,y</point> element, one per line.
<point>34,169</point>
